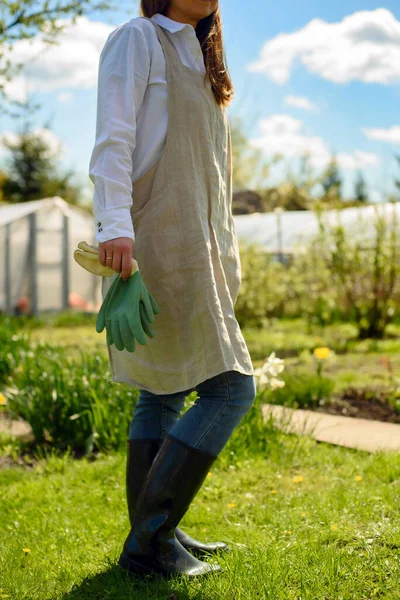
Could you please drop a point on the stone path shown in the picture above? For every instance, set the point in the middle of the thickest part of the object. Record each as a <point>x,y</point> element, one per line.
<point>362,434</point>
<point>20,429</point>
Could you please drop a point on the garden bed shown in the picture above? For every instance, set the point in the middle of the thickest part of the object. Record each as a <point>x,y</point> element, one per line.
<point>359,403</point>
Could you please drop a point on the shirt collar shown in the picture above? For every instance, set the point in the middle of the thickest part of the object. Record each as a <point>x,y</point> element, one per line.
<point>170,24</point>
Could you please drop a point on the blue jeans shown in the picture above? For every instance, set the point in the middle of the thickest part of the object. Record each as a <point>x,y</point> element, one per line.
<point>208,424</point>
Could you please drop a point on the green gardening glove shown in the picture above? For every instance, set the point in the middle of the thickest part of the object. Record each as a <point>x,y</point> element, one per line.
<point>127,313</point>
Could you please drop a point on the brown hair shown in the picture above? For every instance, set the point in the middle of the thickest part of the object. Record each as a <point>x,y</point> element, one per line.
<point>209,34</point>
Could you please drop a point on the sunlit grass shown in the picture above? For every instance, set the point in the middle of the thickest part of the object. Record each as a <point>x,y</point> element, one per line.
<point>309,521</point>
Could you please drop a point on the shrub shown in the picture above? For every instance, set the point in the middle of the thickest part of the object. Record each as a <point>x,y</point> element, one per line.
<point>262,291</point>
<point>339,275</point>
<point>71,403</point>
<point>301,390</point>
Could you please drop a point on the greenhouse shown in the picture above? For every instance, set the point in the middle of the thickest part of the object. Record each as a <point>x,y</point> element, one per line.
<point>38,271</point>
<point>284,232</point>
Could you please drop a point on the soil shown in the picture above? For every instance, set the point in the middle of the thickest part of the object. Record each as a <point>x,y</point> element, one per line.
<point>361,405</point>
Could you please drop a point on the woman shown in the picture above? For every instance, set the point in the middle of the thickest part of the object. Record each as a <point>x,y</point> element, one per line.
<point>162,164</point>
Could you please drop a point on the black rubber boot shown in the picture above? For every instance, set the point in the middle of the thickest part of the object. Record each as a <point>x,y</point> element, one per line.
<point>140,456</point>
<point>175,477</point>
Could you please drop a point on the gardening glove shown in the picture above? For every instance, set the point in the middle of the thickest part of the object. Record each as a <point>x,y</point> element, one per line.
<point>127,313</point>
<point>88,257</point>
<point>128,308</point>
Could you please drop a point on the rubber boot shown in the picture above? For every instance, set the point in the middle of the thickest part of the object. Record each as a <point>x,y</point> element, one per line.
<point>151,547</point>
<point>140,456</point>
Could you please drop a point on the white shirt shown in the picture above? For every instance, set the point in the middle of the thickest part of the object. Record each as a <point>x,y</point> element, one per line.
<point>132,115</point>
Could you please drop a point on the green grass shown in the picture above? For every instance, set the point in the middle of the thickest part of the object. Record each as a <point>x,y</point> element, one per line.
<point>326,537</point>
<point>285,337</point>
<point>356,364</point>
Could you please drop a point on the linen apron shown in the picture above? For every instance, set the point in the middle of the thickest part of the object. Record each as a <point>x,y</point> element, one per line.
<point>186,245</point>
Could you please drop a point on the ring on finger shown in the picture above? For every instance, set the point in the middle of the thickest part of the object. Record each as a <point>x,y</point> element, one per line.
<point>108,257</point>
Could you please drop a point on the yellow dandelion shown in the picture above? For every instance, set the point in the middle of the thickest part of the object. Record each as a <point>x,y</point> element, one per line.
<point>2,399</point>
<point>303,515</point>
<point>209,474</point>
<point>322,353</point>
<point>26,550</point>
<point>232,505</point>
<point>358,478</point>
<point>298,479</point>
<point>274,492</point>
<point>287,532</point>
<point>334,527</point>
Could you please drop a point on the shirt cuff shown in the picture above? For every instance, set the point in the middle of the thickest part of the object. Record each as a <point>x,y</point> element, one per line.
<point>113,223</point>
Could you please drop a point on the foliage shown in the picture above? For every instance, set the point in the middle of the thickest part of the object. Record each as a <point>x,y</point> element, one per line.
<point>32,170</point>
<point>366,273</point>
<point>339,275</point>
<point>22,20</point>
<point>295,192</point>
<point>249,167</point>
<point>331,182</point>
<point>361,192</point>
<point>70,403</point>
<point>302,389</point>
<point>262,289</point>
<point>13,343</point>
<point>397,181</point>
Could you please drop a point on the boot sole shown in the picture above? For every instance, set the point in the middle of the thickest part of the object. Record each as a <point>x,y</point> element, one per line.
<point>203,553</point>
<point>141,570</point>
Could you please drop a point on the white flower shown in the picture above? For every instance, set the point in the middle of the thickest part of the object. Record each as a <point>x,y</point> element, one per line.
<point>276,383</point>
<point>267,374</point>
<point>263,379</point>
<point>275,365</point>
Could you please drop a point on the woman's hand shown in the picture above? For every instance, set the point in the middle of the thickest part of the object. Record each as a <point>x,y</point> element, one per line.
<point>117,254</point>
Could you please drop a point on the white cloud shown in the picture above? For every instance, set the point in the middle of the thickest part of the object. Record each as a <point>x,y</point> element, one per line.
<point>364,46</point>
<point>300,102</point>
<point>391,135</point>
<point>283,134</point>
<point>71,63</point>
<point>65,97</point>
<point>358,160</point>
<point>55,146</point>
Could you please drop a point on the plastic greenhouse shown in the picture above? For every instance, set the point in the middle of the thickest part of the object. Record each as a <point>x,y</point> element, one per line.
<point>37,239</point>
<point>283,233</point>
<point>38,272</point>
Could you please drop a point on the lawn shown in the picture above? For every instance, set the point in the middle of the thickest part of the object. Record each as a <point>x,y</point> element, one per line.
<point>354,364</point>
<point>305,521</point>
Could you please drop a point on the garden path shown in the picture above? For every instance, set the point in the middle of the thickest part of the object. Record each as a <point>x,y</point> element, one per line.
<point>361,434</point>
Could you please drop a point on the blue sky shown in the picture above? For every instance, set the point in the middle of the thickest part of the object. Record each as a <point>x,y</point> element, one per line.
<point>325,85</point>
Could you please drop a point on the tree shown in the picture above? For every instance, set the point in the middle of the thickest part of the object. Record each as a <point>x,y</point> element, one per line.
<point>331,182</point>
<point>397,181</point>
<point>32,170</point>
<point>361,192</point>
<point>295,192</point>
<point>250,169</point>
<point>24,19</point>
